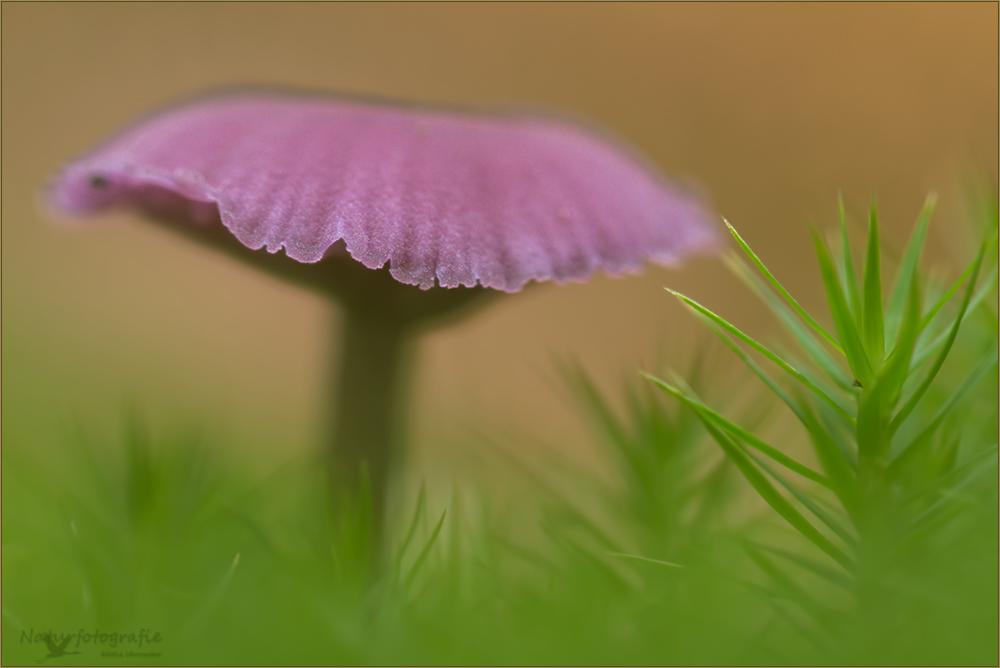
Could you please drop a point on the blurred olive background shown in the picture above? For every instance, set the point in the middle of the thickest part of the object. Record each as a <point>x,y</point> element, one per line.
<point>768,108</point>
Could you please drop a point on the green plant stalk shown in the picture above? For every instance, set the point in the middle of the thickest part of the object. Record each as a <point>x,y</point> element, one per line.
<point>867,482</point>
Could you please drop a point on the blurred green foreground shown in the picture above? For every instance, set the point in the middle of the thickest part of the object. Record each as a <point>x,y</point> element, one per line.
<point>140,548</point>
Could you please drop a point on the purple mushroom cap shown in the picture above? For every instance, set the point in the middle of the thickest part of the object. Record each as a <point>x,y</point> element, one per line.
<point>444,197</point>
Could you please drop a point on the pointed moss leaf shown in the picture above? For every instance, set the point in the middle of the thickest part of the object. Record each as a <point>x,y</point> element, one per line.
<point>801,411</point>
<point>871,311</point>
<point>950,457</point>
<point>822,570</point>
<point>417,514</point>
<point>919,393</point>
<point>689,398</point>
<point>211,603</point>
<point>843,442</point>
<point>764,351</point>
<point>956,477</point>
<point>930,524</point>
<point>804,499</point>
<point>578,379</point>
<point>915,447</point>
<point>585,555</point>
<point>760,373</point>
<point>658,562</point>
<point>952,493</point>
<point>772,497</point>
<point>783,589</point>
<point>945,298</point>
<point>850,277</point>
<point>854,350</point>
<point>791,589</point>
<point>708,414</point>
<point>821,644</point>
<point>897,367</point>
<point>957,284</point>
<point>422,557</point>
<point>907,268</point>
<point>830,456</point>
<point>803,335</point>
<point>835,392</point>
<point>837,467</point>
<point>784,293</point>
<point>874,434</point>
<point>713,490</point>
<point>984,290</point>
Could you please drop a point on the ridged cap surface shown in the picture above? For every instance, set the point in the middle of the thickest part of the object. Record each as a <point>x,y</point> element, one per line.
<point>446,198</point>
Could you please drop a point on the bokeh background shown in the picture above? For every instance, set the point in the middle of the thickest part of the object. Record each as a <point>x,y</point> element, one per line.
<point>768,108</point>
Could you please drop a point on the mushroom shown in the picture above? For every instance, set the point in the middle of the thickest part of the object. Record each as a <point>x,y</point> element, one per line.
<point>403,215</point>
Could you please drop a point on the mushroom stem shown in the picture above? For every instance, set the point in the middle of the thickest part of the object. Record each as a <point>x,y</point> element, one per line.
<point>381,318</point>
<point>369,413</point>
